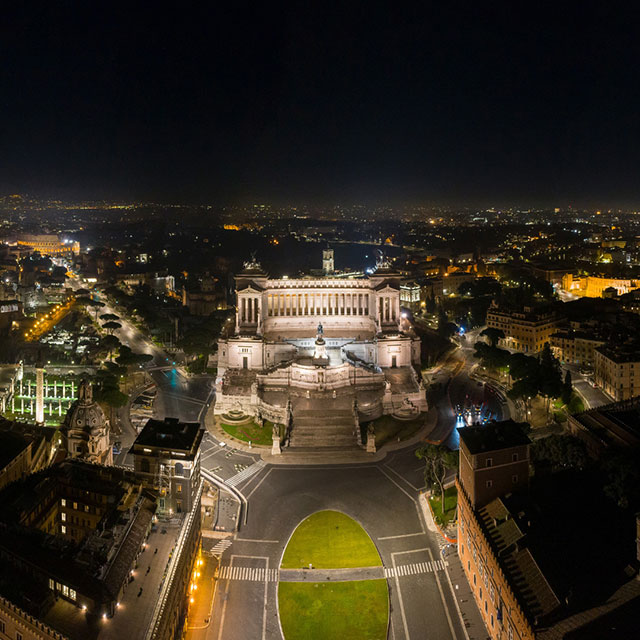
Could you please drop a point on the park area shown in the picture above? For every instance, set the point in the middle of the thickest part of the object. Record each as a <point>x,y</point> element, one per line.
<point>354,609</point>
<point>249,431</point>
<point>450,504</point>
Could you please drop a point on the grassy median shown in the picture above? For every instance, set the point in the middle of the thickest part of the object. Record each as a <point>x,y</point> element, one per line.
<point>330,540</point>
<point>355,610</point>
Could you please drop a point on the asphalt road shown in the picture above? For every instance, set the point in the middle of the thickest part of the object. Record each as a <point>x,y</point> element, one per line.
<point>383,498</point>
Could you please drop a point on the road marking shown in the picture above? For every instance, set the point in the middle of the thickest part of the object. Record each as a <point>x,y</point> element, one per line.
<point>414,568</point>
<point>258,541</point>
<point>415,503</point>
<point>221,547</point>
<point>444,604</point>
<point>402,612</point>
<point>238,573</point>
<point>402,477</point>
<point>402,535</point>
<point>246,473</point>
<point>264,477</point>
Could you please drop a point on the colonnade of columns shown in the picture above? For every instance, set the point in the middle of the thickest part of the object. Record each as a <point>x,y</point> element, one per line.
<point>388,308</point>
<point>318,304</point>
<point>249,309</point>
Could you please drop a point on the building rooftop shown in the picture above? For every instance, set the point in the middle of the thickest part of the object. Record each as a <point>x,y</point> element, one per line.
<point>616,424</point>
<point>170,434</point>
<point>620,353</point>
<point>95,564</point>
<point>11,445</point>
<point>493,436</point>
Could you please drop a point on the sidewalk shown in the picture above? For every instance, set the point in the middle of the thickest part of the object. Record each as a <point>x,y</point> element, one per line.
<point>474,626</point>
<point>200,611</point>
<point>465,603</point>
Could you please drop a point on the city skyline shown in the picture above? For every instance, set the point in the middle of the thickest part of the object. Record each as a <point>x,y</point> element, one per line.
<point>456,106</point>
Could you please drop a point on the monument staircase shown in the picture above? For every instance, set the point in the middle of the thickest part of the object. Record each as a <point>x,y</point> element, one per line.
<point>329,428</point>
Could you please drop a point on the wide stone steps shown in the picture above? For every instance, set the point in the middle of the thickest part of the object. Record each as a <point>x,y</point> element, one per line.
<point>317,429</point>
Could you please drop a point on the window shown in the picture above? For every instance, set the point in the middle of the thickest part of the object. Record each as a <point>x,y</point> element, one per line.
<point>474,579</point>
<point>65,590</point>
<point>179,488</point>
<point>492,619</point>
<point>63,502</point>
<point>86,508</point>
<point>52,584</point>
<point>63,516</point>
<point>489,484</point>
<point>514,457</point>
<point>489,462</point>
<point>2,626</point>
<point>72,594</point>
<point>63,529</point>
<point>486,607</point>
<point>75,505</point>
<point>514,479</point>
<point>480,593</point>
<point>18,635</point>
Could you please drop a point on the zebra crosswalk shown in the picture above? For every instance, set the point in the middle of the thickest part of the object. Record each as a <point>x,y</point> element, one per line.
<point>413,569</point>
<point>221,547</point>
<point>249,574</point>
<point>251,470</point>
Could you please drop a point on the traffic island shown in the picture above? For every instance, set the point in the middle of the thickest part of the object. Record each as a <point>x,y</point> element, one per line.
<point>347,603</point>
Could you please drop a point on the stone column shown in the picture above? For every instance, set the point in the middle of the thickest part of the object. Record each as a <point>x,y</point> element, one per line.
<point>40,395</point>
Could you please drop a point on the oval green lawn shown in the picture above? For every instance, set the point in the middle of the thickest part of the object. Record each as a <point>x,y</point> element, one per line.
<point>356,610</point>
<point>330,540</point>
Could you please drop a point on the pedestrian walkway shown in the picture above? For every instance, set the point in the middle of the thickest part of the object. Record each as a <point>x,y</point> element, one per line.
<point>332,575</point>
<point>473,623</point>
<point>251,470</point>
<point>248,574</point>
<point>221,547</point>
<point>414,568</point>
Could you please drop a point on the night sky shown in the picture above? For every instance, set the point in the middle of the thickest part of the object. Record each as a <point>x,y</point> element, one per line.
<point>480,103</point>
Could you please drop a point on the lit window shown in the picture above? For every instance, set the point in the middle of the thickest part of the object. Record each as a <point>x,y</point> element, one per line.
<point>63,529</point>
<point>52,584</point>
<point>63,502</point>
<point>63,516</point>
<point>72,594</point>
<point>75,505</point>
<point>65,590</point>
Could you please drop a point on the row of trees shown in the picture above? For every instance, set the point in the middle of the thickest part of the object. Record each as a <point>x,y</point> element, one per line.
<point>530,376</point>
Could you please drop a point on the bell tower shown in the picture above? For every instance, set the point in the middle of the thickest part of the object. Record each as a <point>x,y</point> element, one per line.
<point>327,261</point>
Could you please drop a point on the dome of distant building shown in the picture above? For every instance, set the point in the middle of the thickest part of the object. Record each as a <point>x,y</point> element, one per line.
<point>86,428</point>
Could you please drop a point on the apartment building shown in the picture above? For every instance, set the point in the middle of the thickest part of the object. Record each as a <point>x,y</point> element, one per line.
<point>527,330</point>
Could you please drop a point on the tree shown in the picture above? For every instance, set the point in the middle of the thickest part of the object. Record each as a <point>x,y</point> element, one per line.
<point>491,358</point>
<point>127,357</point>
<point>493,335</point>
<point>438,460</point>
<point>111,343</point>
<point>111,326</point>
<point>561,451</point>
<point>550,376</point>
<point>109,316</point>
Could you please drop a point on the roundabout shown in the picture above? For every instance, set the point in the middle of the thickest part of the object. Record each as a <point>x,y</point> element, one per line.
<point>332,581</point>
